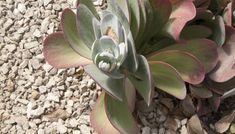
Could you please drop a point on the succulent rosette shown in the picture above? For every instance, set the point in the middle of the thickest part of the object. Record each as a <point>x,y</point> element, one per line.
<point>142,45</point>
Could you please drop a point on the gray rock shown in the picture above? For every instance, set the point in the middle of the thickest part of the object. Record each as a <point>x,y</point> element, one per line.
<point>73,123</point>
<point>11,47</point>
<point>61,128</point>
<point>21,7</point>
<point>44,25</point>
<point>37,33</point>
<point>85,129</point>
<point>53,97</point>
<point>46,2</point>
<point>40,131</point>
<point>31,45</point>
<point>146,130</point>
<point>162,131</point>
<point>8,24</point>
<point>76,132</point>
<point>33,112</point>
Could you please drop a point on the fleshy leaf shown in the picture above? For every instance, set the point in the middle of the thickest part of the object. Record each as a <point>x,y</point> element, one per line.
<point>90,5</point>
<point>142,80</point>
<point>190,69</point>
<point>218,31</point>
<point>200,91</point>
<point>111,23</point>
<point>130,94</point>
<point>103,44</point>
<point>131,62</point>
<point>58,52</point>
<point>183,11</point>
<point>124,5</point>
<point>135,17</point>
<point>205,51</point>
<point>162,11</point>
<point>116,10</point>
<point>221,88</point>
<point>120,115</point>
<point>168,79</point>
<point>143,21</point>
<point>202,4</point>
<point>71,34</point>
<point>113,87</point>
<point>84,24</point>
<point>195,31</point>
<point>99,119</point>
<point>225,69</point>
<point>227,15</point>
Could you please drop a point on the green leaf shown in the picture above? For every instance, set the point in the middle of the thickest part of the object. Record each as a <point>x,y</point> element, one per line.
<point>142,80</point>
<point>111,23</point>
<point>162,11</point>
<point>190,69</point>
<point>205,51</point>
<point>120,115</point>
<point>96,27</point>
<point>91,7</point>
<point>143,21</point>
<point>200,91</point>
<point>195,31</point>
<point>219,31</point>
<point>225,70</point>
<point>183,11</point>
<point>103,44</point>
<point>131,62</point>
<point>71,34</point>
<point>130,94</point>
<point>99,119</point>
<point>168,79</point>
<point>135,17</point>
<point>114,87</point>
<point>59,53</point>
<point>224,86</point>
<point>84,24</point>
<point>116,10</point>
<point>124,5</point>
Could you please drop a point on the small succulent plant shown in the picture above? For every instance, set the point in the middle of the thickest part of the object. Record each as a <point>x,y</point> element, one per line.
<point>140,45</point>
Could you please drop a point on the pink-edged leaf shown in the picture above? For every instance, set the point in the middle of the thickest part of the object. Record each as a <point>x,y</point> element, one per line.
<point>225,69</point>
<point>142,80</point>
<point>183,11</point>
<point>205,50</point>
<point>120,115</point>
<point>59,53</point>
<point>99,119</point>
<point>168,79</point>
<point>189,67</point>
<point>130,94</point>
<point>228,14</point>
<point>71,34</point>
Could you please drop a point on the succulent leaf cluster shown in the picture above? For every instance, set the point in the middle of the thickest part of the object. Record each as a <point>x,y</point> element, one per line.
<point>142,45</point>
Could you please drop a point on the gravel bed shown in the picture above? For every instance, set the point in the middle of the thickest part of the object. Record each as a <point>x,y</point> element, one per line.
<point>37,98</point>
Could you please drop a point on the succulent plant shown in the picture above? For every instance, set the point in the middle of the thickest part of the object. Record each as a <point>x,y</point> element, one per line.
<point>136,45</point>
